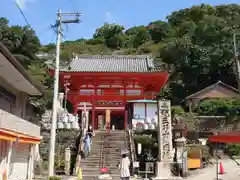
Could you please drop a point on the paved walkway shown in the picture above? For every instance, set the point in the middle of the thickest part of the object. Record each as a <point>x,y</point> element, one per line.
<point>232,172</point>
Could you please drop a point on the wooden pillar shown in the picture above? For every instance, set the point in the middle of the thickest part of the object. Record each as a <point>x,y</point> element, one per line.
<point>108,119</point>
<point>125,118</point>
<point>93,115</point>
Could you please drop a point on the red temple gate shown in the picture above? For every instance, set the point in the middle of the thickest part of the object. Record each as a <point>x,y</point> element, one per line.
<point>108,82</point>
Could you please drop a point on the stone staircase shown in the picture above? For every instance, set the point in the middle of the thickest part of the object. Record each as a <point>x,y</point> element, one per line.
<point>92,164</point>
<point>113,142</point>
<point>105,152</point>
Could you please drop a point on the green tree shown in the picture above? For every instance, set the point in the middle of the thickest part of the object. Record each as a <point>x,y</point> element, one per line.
<point>112,34</point>
<point>220,107</point>
<point>137,36</point>
<point>21,41</point>
<point>201,46</point>
<point>159,30</point>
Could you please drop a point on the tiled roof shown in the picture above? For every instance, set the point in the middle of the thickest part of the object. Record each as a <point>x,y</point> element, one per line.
<point>211,87</point>
<point>112,63</point>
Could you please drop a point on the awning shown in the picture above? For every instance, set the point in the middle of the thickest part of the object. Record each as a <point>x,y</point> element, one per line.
<point>15,136</point>
<point>228,137</point>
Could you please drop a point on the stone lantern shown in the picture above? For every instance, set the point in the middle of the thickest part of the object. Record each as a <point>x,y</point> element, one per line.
<point>178,128</point>
<point>180,144</point>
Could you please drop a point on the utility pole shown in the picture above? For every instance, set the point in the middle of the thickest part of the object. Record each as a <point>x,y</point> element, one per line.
<point>58,24</point>
<point>237,60</point>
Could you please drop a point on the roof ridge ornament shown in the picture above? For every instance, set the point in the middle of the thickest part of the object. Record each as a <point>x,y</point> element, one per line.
<point>149,63</point>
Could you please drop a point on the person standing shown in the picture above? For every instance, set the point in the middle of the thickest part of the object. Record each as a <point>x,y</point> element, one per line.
<point>124,165</point>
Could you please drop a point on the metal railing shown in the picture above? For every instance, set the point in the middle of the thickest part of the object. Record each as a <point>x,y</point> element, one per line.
<point>101,163</point>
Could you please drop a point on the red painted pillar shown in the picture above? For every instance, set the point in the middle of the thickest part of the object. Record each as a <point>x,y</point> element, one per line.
<point>125,118</point>
<point>75,109</point>
<point>94,107</point>
<point>125,103</point>
<point>93,116</point>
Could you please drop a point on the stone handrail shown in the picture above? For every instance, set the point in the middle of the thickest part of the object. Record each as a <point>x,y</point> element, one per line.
<point>132,146</point>
<point>14,123</point>
<point>102,153</point>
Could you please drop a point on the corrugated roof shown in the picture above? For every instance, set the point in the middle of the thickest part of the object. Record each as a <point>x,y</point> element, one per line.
<point>112,63</point>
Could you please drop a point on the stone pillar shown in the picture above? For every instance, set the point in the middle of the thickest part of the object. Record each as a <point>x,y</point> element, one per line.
<point>180,147</point>
<point>85,120</point>
<point>60,99</point>
<point>67,160</point>
<point>165,147</point>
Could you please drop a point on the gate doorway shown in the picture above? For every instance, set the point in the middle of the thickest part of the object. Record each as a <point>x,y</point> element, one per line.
<point>117,120</point>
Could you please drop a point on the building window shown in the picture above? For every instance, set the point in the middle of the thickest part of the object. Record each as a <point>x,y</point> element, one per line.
<point>7,100</point>
<point>7,94</point>
<point>131,92</point>
<point>88,92</point>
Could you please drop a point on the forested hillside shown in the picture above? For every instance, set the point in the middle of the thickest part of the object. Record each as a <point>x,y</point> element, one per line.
<point>196,43</point>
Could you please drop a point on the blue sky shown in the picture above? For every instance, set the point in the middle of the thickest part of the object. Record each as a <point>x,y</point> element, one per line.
<point>42,13</point>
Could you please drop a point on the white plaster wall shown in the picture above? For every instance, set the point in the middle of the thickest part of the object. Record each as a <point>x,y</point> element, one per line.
<point>151,110</point>
<point>139,110</point>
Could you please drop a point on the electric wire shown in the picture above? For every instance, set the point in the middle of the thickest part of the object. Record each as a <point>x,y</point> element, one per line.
<point>22,13</point>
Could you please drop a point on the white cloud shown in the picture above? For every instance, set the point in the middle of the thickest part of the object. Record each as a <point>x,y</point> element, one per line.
<point>109,17</point>
<point>23,3</point>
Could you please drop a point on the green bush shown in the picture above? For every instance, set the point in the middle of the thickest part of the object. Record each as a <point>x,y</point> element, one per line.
<point>233,149</point>
<point>144,140</point>
<point>54,178</point>
<point>219,107</point>
<point>177,110</point>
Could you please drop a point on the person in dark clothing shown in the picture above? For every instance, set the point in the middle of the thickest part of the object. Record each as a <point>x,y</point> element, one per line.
<point>90,131</point>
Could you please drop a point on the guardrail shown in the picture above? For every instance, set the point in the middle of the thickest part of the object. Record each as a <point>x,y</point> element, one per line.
<point>132,149</point>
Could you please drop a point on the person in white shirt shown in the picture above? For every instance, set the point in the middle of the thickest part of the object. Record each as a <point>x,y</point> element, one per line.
<point>124,167</point>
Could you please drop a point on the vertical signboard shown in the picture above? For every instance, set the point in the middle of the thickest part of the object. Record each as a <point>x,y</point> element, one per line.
<point>165,131</point>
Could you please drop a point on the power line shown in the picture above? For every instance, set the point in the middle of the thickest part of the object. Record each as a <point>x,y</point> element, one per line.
<point>23,15</point>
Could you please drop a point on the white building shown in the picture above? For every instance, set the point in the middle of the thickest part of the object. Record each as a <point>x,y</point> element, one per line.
<point>143,112</point>
<point>18,137</point>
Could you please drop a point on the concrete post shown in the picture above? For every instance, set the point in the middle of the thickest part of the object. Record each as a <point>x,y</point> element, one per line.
<point>67,160</point>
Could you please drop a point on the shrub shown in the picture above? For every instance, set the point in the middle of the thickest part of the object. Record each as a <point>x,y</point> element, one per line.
<point>233,149</point>
<point>177,110</point>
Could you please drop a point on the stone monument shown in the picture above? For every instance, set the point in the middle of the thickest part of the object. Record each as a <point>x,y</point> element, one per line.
<point>165,146</point>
